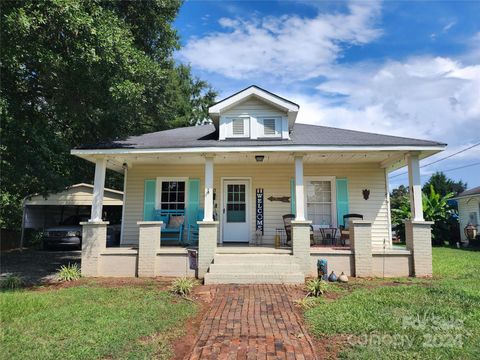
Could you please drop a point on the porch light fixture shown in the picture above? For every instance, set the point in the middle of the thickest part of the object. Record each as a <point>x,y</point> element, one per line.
<point>259,158</point>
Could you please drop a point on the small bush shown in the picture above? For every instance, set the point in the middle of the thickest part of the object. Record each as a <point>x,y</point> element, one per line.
<point>316,287</point>
<point>183,286</point>
<point>11,282</point>
<point>69,272</point>
<point>306,302</point>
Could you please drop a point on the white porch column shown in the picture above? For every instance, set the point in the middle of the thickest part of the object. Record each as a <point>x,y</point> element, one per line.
<point>98,190</point>
<point>208,203</point>
<point>415,187</point>
<point>299,189</point>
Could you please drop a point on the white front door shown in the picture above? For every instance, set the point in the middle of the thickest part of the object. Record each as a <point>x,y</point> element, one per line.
<point>235,212</point>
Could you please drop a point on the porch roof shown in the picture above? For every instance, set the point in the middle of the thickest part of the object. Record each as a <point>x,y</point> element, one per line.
<point>206,136</point>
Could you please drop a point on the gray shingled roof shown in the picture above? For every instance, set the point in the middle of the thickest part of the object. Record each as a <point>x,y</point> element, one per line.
<point>302,134</point>
<point>470,192</point>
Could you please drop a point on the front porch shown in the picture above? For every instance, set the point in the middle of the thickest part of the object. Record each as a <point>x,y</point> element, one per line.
<point>220,202</point>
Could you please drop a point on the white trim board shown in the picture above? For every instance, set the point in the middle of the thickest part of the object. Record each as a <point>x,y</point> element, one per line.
<point>236,149</point>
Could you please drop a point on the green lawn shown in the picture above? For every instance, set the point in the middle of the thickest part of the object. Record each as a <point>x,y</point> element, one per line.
<point>408,319</point>
<point>91,322</point>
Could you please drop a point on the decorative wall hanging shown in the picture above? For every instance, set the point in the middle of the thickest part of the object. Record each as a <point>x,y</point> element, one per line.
<point>366,194</point>
<point>284,199</point>
<point>259,210</point>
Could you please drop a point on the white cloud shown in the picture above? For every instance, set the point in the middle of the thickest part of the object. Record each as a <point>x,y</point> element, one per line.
<point>289,47</point>
<point>447,27</point>
<point>428,97</point>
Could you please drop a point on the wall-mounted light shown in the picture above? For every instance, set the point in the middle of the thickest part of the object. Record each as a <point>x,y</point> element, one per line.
<point>259,158</point>
<point>366,194</point>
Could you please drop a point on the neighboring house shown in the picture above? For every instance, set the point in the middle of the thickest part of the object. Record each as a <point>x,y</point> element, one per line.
<point>468,210</point>
<point>239,175</point>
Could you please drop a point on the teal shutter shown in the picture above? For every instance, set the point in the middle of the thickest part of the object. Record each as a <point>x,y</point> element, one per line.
<point>292,195</point>
<point>342,200</point>
<point>149,200</point>
<point>193,201</point>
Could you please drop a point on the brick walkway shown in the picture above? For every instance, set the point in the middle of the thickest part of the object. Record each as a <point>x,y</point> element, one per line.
<point>252,322</point>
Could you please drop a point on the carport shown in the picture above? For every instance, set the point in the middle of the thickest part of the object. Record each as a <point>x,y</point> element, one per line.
<point>40,212</point>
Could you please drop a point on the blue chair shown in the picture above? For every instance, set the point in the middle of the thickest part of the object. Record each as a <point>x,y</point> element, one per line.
<point>192,231</point>
<point>165,215</point>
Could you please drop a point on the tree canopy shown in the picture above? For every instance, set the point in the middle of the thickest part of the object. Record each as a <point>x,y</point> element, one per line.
<point>82,71</point>
<point>444,185</point>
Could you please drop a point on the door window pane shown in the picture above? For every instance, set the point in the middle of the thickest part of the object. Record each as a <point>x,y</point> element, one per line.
<point>236,207</point>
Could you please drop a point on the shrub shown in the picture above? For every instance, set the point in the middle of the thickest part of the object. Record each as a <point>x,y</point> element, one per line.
<point>316,287</point>
<point>11,282</point>
<point>69,272</point>
<point>183,286</point>
<point>306,302</point>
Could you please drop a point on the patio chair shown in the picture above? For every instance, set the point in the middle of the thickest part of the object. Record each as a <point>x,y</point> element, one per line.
<point>174,223</point>
<point>344,231</point>
<point>192,230</point>
<point>287,223</point>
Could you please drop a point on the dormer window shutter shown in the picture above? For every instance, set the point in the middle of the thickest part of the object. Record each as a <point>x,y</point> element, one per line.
<point>238,126</point>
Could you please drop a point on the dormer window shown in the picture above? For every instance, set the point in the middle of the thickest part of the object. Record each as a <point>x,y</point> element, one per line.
<point>271,127</point>
<point>238,127</point>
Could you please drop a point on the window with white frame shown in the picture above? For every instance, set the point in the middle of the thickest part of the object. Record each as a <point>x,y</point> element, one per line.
<point>320,201</point>
<point>239,127</point>
<point>172,194</point>
<point>271,127</point>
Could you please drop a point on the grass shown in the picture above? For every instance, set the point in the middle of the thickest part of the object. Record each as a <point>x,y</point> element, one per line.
<point>410,318</point>
<point>91,322</point>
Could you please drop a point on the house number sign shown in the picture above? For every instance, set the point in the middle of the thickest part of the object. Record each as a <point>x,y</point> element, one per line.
<point>259,210</point>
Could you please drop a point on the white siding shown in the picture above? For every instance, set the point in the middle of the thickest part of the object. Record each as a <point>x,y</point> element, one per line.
<point>275,180</point>
<point>466,206</point>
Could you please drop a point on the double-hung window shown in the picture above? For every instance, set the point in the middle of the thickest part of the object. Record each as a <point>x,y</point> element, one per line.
<point>172,194</point>
<point>239,127</point>
<point>320,196</point>
<point>270,127</point>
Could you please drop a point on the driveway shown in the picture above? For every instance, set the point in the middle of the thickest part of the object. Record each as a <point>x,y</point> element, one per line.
<point>252,322</point>
<point>36,266</point>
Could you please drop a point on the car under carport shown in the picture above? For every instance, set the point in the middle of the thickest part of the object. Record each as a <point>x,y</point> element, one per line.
<point>41,212</point>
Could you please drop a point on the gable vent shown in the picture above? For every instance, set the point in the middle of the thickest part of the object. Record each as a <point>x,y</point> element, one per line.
<point>238,126</point>
<point>269,127</point>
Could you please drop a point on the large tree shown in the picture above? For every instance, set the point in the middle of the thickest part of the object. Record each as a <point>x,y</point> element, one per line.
<point>82,71</point>
<point>444,185</point>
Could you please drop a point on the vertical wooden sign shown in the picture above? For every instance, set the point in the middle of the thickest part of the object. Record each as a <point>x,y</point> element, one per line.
<point>259,210</point>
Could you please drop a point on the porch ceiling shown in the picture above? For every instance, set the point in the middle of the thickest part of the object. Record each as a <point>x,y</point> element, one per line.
<point>391,160</point>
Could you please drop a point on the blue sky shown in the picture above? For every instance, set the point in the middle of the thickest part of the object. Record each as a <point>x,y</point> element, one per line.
<point>404,68</point>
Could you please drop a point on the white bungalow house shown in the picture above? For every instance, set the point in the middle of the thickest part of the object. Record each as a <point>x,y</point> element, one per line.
<point>224,188</point>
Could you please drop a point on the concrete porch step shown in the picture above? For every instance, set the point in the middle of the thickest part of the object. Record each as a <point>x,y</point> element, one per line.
<point>239,268</point>
<point>254,259</point>
<point>254,278</point>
